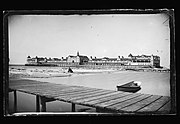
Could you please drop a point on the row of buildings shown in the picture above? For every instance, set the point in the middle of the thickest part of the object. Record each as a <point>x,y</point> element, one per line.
<point>140,60</point>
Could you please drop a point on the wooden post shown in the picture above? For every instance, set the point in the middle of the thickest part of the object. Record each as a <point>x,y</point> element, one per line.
<point>37,104</point>
<point>97,110</point>
<point>43,103</point>
<point>15,101</point>
<point>101,110</point>
<point>43,107</point>
<point>73,107</point>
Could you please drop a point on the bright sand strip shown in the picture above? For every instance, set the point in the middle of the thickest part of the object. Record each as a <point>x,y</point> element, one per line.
<point>48,73</point>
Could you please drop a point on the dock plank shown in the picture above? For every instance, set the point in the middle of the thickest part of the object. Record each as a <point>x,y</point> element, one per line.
<point>13,82</point>
<point>84,95</point>
<point>111,97</point>
<point>84,92</point>
<point>80,99</point>
<point>52,92</point>
<point>166,108</point>
<point>128,102</point>
<point>153,107</point>
<point>118,100</point>
<point>42,86</point>
<point>98,97</point>
<point>74,94</point>
<point>141,104</point>
<point>80,92</point>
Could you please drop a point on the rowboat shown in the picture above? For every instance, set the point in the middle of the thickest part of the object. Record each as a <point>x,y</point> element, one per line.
<point>132,87</point>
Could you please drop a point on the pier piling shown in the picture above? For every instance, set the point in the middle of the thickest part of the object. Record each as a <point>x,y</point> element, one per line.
<point>37,104</point>
<point>15,101</point>
<point>73,107</point>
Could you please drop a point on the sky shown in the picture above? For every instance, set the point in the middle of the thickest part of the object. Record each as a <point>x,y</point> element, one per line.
<point>107,35</point>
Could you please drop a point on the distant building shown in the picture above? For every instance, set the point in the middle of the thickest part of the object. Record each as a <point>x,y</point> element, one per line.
<point>77,60</point>
<point>143,60</point>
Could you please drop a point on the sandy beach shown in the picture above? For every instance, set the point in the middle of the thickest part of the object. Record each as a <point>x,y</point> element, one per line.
<point>50,72</point>
<point>19,72</point>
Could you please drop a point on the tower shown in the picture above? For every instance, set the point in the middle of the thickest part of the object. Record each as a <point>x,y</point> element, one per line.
<point>77,53</point>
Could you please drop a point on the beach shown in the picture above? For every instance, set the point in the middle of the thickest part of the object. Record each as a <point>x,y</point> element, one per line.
<point>50,72</point>
<point>156,83</point>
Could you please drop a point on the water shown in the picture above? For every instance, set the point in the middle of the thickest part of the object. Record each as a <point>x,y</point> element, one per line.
<point>156,83</point>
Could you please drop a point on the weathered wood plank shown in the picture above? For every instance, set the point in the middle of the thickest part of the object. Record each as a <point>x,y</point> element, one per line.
<point>98,97</point>
<point>40,86</point>
<point>45,88</point>
<point>48,93</point>
<point>79,92</point>
<point>66,95</point>
<point>26,87</point>
<point>118,100</point>
<point>64,90</point>
<point>25,82</point>
<point>31,83</point>
<point>128,102</point>
<point>80,99</point>
<point>84,95</point>
<point>71,98</point>
<point>111,97</point>
<point>141,104</point>
<point>155,105</point>
<point>38,90</point>
<point>166,108</point>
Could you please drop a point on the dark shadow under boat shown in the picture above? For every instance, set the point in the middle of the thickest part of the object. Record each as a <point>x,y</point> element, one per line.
<point>131,87</point>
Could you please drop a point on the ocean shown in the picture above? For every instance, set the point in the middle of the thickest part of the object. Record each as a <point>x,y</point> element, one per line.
<point>156,83</point>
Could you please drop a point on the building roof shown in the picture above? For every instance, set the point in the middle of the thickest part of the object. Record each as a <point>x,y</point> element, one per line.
<point>79,56</point>
<point>105,58</point>
<point>71,56</point>
<point>84,57</point>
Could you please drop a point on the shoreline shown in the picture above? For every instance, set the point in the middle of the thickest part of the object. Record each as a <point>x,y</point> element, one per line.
<point>50,73</point>
<point>20,72</point>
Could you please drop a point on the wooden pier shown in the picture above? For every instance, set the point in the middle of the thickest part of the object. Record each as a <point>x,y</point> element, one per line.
<point>101,99</point>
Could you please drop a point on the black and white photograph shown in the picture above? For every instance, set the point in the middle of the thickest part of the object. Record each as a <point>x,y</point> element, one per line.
<point>90,63</point>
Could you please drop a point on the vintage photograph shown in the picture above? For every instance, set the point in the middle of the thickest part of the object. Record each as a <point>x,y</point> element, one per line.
<point>106,63</point>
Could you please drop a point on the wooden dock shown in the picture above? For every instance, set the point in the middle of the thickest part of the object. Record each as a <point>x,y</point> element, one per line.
<point>101,99</point>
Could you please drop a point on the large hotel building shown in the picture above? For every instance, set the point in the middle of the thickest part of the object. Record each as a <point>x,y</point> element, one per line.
<point>140,60</point>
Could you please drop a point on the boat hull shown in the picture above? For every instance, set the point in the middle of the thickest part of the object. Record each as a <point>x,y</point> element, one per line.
<point>129,87</point>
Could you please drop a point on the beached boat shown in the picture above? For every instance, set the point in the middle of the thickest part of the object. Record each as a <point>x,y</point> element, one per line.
<point>132,87</point>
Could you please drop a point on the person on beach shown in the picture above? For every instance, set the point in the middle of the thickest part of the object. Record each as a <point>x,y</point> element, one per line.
<point>70,70</point>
